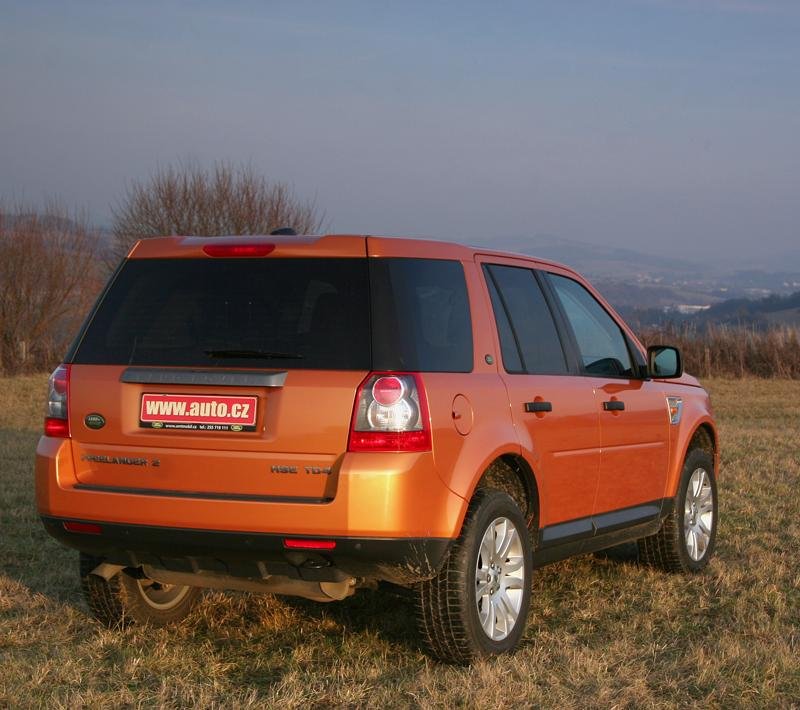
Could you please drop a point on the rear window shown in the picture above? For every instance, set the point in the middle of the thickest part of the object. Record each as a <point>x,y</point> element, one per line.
<point>289,313</point>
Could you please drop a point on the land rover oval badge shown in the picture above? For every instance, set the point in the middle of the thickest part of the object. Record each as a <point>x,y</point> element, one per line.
<point>94,420</point>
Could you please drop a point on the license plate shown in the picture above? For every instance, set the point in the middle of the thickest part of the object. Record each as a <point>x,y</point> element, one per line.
<point>198,412</point>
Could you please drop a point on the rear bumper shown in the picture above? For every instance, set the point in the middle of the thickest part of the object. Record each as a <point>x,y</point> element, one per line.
<point>256,555</point>
<point>392,518</point>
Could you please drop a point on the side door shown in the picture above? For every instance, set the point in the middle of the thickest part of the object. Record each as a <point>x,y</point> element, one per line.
<point>552,407</point>
<point>634,420</point>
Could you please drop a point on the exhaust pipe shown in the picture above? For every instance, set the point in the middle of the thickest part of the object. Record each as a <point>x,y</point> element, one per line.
<point>107,571</point>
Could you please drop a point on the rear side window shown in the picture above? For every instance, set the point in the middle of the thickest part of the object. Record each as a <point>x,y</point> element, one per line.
<point>600,340</point>
<point>287,313</point>
<point>508,343</point>
<point>420,315</point>
<point>529,339</point>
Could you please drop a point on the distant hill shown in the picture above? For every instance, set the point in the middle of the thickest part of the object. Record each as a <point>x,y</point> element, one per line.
<point>636,282</point>
<point>773,310</point>
<point>759,314</point>
<point>594,259</point>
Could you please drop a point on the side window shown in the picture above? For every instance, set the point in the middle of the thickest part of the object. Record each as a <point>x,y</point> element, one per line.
<point>508,344</point>
<point>529,339</point>
<point>600,340</point>
<point>420,315</point>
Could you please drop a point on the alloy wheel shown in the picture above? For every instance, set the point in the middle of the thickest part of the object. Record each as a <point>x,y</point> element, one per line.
<point>499,579</point>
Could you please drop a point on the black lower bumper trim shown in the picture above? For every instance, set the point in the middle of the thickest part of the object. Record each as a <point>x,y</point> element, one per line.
<point>252,555</point>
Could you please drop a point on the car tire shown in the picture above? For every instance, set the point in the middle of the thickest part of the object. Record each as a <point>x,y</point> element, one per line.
<point>478,604</point>
<point>686,540</point>
<point>124,599</point>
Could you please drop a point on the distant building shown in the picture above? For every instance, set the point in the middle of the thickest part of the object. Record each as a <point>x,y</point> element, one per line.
<point>685,309</point>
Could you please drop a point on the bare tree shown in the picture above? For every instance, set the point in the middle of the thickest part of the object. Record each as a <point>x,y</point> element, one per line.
<point>190,200</point>
<point>48,279</point>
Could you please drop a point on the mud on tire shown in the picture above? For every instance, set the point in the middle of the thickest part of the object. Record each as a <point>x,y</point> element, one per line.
<point>124,599</point>
<point>686,540</point>
<point>478,604</point>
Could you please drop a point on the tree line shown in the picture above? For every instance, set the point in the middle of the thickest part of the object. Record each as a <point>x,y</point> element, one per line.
<point>54,262</point>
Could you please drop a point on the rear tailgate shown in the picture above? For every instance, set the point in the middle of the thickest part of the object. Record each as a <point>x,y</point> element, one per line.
<point>203,372</point>
<point>299,434</point>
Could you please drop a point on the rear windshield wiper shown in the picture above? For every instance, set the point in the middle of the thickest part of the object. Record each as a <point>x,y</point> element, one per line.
<point>253,354</point>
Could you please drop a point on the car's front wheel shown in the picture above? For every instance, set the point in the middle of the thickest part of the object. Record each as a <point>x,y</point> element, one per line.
<point>126,599</point>
<point>478,603</point>
<point>688,534</point>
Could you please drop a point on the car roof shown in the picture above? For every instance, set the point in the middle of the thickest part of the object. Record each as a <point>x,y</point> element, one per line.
<point>327,245</point>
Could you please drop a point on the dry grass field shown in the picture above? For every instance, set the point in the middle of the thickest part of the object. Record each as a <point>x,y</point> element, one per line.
<point>603,632</point>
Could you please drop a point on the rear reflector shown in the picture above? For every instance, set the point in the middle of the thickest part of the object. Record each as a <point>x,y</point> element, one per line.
<point>85,528</point>
<point>56,427</point>
<point>305,544</point>
<point>238,250</point>
<point>390,441</point>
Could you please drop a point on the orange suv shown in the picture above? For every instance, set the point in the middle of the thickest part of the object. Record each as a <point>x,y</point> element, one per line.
<point>311,415</point>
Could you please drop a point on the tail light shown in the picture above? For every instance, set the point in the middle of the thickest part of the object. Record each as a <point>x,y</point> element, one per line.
<point>56,422</point>
<point>390,414</point>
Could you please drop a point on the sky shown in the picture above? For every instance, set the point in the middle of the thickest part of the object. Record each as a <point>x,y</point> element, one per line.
<point>666,126</point>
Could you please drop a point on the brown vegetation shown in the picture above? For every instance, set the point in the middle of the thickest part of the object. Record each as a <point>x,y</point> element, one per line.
<point>603,631</point>
<point>732,351</point>
<point>48,280</point>
<point>190,200</point>
<point>52,265</point>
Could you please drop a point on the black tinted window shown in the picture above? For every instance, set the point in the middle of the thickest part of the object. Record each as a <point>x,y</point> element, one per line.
<point>532,328</point>
<point>420,316</point>
<point>508,345</point>
<point>288,313</point>
<point>600,339</point>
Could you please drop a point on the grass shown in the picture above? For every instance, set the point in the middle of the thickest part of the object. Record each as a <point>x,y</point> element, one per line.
<point>733,351</point>
<point>603,632</point>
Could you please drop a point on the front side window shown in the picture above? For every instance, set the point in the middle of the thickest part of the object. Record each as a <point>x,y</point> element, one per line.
<point>600,340</point>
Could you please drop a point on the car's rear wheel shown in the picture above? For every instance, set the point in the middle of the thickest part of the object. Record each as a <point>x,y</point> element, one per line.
<point>478,603</point>
<point>125,599</point>
<point>688,534</point>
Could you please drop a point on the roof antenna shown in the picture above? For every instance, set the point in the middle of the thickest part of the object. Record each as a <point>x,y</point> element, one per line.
<point>283,232</point>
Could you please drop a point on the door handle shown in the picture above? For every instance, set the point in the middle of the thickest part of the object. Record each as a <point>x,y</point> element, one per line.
<point>538,406</point>
<point>614,406</point>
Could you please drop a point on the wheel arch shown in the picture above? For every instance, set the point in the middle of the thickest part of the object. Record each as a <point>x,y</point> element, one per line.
<point>705,438</point>
<point>511,473</point>
<point>702,436</point>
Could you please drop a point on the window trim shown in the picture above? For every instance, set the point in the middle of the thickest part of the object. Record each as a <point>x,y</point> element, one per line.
<point>564,341</point>
<point>568,341</point>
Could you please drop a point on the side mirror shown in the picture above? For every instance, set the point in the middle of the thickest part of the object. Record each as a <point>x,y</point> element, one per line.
<point>664,362</point>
